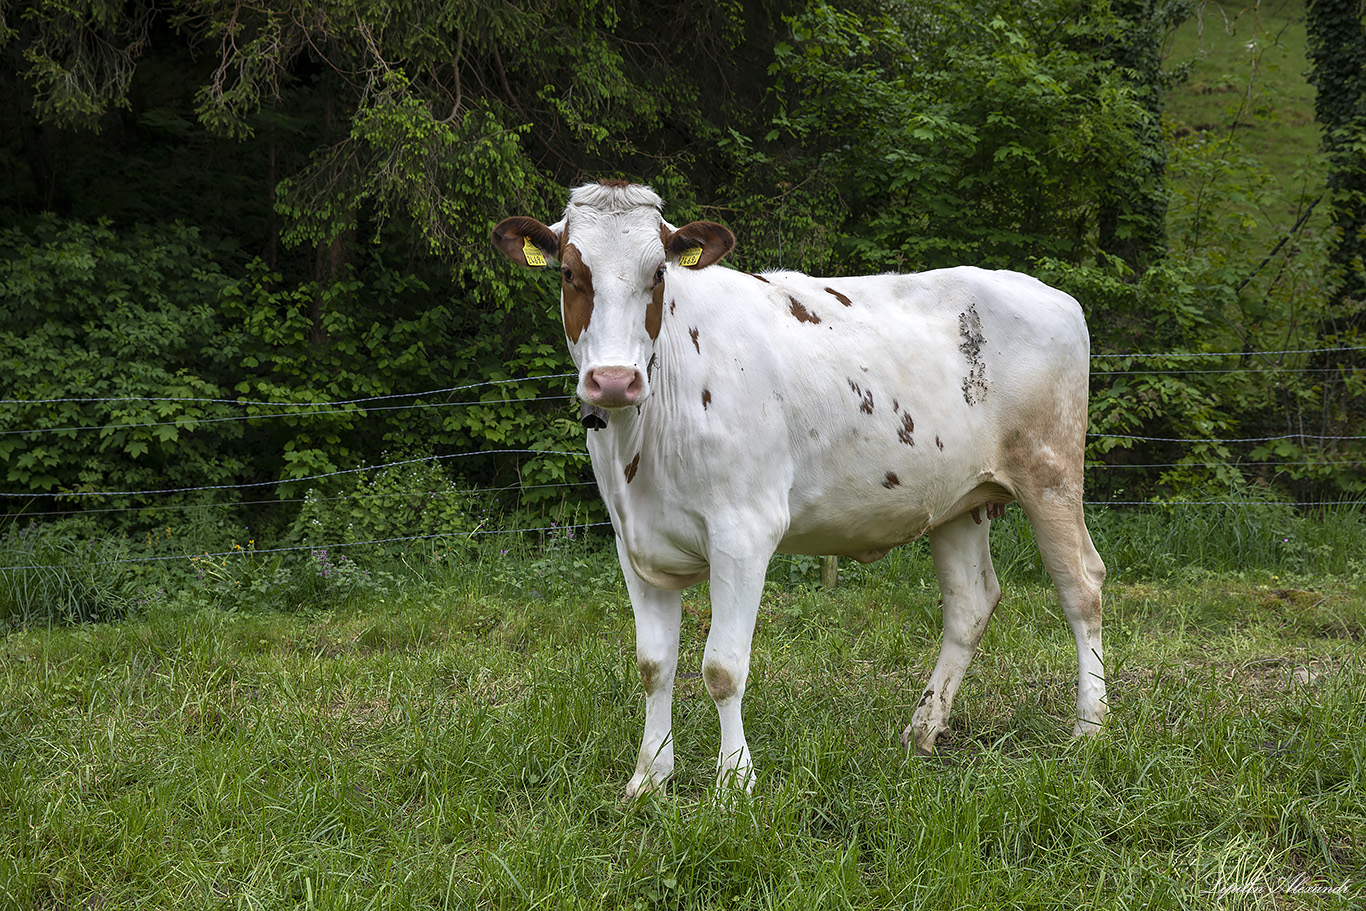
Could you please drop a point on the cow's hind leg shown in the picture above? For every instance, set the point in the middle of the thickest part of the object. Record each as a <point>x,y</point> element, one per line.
<point>658,614</point>
<point>1078,572</point>
<point>970,592</point>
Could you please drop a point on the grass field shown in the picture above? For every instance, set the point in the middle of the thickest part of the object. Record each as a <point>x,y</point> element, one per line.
<point>458,735</point>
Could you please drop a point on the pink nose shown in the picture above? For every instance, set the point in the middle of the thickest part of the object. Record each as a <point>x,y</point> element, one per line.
<point>612,387</point>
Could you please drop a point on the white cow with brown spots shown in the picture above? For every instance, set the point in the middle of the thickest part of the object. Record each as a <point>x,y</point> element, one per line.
<point>754,414</point>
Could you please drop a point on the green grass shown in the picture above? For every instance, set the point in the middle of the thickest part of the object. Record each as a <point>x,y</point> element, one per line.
<point>459,736</point>
<point>1248,67</point>
<point>1246,145</point>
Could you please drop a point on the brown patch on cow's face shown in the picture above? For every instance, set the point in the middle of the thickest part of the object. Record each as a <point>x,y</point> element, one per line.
<point>632,468</point>
<point>692,333</point>
<point>720,684</point>
<point>654,312</point>
<point>706,398</point>
<point>840,297</point>
<point>890,480</point>
<point>904,432</point>
<point>576,293</point>
<point>802,314</point>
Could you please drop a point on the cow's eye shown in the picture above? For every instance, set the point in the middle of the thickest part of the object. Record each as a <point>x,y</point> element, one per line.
<point>568,274</point>
<point>659,275</point>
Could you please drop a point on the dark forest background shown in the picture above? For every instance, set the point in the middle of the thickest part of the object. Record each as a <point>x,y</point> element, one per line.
<point>210,207</point>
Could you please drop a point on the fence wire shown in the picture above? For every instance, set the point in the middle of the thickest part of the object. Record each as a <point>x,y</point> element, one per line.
<point>363,406</point>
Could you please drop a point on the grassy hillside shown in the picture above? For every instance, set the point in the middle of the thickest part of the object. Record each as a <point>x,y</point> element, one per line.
<point>1242,121</point>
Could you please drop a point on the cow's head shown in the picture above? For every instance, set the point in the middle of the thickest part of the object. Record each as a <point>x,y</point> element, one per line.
<point>615,253</point>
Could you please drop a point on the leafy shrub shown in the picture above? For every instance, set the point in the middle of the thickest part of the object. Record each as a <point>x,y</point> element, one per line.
<point>114,338</point>
<point>403,498</point>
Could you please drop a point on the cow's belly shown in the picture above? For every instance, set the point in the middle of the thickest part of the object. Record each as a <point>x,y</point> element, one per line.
<point>854,523</point>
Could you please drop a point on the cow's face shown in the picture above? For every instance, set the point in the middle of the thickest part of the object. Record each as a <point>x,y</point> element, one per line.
<point>614,253</point>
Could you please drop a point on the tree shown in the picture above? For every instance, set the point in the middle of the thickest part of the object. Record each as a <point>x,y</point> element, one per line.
<point>1337,53</point>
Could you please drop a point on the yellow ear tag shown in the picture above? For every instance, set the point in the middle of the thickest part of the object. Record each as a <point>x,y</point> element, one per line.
<point>533,254</point>
<point>690,257</point>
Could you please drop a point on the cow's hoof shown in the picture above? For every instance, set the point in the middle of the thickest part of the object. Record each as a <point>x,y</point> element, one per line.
<point>919,741</point>
<point>730,782</point>
<point>1085,728</point>
<point>642,785</point>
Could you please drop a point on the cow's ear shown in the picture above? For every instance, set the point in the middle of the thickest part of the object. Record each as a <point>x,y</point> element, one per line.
<point>526,241</point>
<point>698,244</point>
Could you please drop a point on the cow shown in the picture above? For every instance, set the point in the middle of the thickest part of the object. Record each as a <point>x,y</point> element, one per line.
<point>740,415</point>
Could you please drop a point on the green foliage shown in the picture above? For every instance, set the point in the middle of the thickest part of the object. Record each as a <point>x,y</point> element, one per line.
<point>247,580</point>
<point>943,133</point>
<point>404,498</point>
<point>353,157</point>
<point>1337,50</point>
<point>113,341</point>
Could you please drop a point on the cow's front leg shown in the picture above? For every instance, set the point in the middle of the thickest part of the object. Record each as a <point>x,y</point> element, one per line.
<point>737,583</point>
<point>658,614</point>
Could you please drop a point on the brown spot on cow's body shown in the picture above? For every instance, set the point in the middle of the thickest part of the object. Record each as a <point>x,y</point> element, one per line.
<point>970,344</point>
<point>940,443</point>
<point>890,480</point>
<point>706,398</point>
<point>576,293</point>
<point>761,278</point>
<point>865,397</point>
<point>692,333</point>
<point>840,297</point>
<point>632,468</point>
<point>802,314</point>
<point>904,431</point>
<point>720,684</point>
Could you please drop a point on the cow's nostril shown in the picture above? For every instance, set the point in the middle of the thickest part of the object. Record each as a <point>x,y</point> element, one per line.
<point>613,387</point>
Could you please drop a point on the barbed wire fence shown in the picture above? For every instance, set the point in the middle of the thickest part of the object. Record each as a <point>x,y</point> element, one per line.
<point>361,407</point>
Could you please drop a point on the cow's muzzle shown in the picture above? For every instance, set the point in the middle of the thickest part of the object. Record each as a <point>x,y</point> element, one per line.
<point>613,387</point>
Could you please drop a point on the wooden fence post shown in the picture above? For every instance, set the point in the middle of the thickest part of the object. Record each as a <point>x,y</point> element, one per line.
<point>830,572</point>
